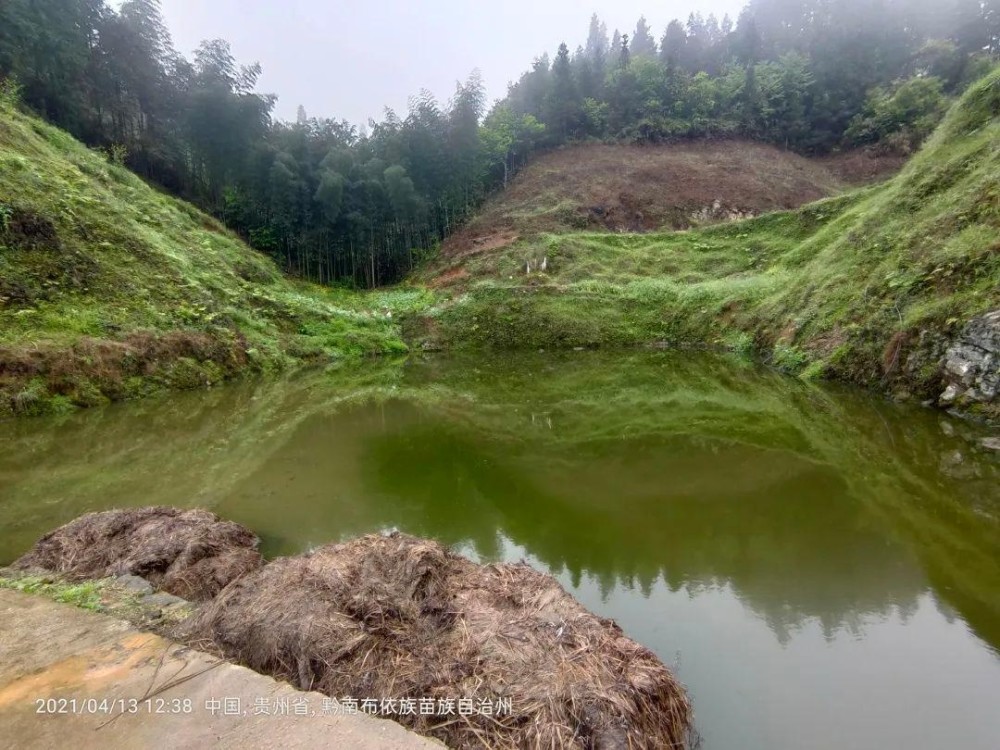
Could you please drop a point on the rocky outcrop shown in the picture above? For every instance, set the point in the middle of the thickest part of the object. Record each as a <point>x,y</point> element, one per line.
<point>717,213</point>
<point>972,364</point>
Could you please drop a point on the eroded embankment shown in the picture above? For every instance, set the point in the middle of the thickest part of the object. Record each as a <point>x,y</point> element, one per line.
<point>395,618</point>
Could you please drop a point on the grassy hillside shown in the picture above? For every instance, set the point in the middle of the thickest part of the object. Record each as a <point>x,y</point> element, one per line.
<point>867,286</point>
<point>657,187</point>
<point>109,289</point>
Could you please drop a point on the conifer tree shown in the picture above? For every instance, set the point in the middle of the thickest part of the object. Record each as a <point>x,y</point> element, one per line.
<point>643,44</point>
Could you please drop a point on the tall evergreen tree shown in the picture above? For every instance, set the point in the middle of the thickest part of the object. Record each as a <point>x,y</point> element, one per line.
<point>614,58</point>
<point>696,45</point>
<point>749,53</point>
<point>467,109</point>
<point>597,43</point>
<point>672,47</point>
<point>49,47</point>
<point>643,44</point>
<point>563,111</point>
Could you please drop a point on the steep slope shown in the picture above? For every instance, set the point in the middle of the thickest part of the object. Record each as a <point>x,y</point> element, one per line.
<point>109,289</point>
<point>657,187</point>
<point>871,286</point>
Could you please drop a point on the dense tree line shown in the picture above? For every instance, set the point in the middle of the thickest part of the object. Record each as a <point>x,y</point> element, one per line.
<point>328,202</point>
<point>793,72</point>
<point>332,203</point>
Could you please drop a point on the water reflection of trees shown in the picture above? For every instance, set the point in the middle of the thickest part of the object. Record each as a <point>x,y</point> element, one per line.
<point>793,543</point>
<point>184,449</point>
<point>809,502</point>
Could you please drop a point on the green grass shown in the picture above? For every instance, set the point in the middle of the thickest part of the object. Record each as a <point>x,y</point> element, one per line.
<point>110,289</point>
<point>86,595</point>
<point>866,286</point>
<point>104,595</point>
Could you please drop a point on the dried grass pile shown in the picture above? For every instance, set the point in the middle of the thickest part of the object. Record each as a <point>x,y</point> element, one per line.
<point>190,553</point>
<point>394,617</point>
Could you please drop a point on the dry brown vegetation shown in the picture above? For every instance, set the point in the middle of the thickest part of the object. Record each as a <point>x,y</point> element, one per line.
<point>863,166</point>
<point>646,188</point>
<point>190,553</point>
<point>390,617</point>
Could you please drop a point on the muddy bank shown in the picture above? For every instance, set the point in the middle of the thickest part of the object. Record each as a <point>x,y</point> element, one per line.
<point>400,621</point>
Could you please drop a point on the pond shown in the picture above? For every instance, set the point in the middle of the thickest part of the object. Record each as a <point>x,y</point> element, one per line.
<point>819,566</point>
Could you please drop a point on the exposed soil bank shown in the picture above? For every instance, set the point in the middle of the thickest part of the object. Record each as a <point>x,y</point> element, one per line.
<point>631,188</point>
<point>395,618</point>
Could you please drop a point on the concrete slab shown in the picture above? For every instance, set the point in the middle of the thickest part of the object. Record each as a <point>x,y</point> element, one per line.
<point>71,677</point>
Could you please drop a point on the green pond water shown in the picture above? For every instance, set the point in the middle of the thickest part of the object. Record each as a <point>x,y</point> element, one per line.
<point>819,566</point>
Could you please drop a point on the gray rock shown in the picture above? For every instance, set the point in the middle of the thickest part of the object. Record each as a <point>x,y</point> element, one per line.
<point>972,363</point>
<point>991,443</point>
<point>163,600</point>
<point>953,464</point>
<point>953,458</point>
<point>137,584</point>
<point>951,393</point>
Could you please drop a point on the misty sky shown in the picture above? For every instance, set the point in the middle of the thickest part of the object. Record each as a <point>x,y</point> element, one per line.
<point>349,60</point>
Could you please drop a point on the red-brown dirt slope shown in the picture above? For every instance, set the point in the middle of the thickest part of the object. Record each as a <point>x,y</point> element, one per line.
<point>646,188</point>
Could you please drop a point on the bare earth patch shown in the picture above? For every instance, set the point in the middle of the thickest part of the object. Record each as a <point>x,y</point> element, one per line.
<point>863,166</point>
<point>449,277</point>
<point>646,188</point>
